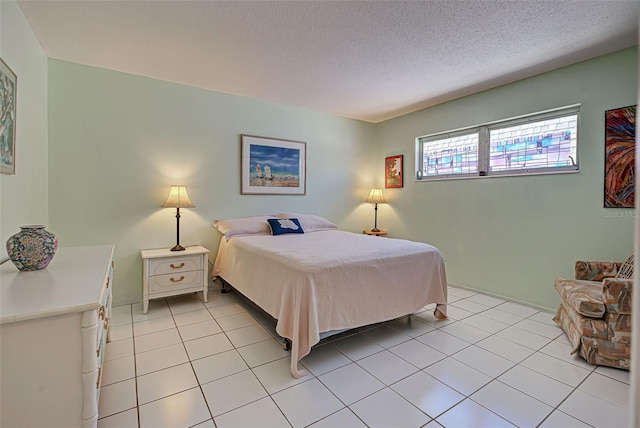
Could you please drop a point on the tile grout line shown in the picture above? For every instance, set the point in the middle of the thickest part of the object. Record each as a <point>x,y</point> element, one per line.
<point>135,366</point>
<point>495,378</point>
<point>410,338</point>
<point>248,369</point>
<point>204,397</point>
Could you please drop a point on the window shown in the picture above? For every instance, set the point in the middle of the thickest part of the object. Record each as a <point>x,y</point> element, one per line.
<point>535,144</point>
<point>453,154</point>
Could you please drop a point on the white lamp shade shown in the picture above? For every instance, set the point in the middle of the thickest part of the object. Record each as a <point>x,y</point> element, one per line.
<point>376,196</point>
<point>178,198</point>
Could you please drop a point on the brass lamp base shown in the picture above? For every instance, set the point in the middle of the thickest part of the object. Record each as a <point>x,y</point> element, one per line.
<point>375,224</point>
<point>178,247</point>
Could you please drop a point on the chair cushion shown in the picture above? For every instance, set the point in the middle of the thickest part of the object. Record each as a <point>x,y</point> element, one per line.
<point>619,327</point>
<point>585,297</point>
<point>594,350</point>
<point>606,353</point>
<point>587,326</point>
<point>595,271</point>
<point>616,295</point>
<point>564,322</point>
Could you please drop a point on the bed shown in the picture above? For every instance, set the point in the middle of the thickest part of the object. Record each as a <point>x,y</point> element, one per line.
<point>326,279</point>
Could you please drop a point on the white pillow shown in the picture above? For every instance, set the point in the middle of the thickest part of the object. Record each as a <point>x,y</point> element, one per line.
<point>310,222</point>
<point>256,225</point>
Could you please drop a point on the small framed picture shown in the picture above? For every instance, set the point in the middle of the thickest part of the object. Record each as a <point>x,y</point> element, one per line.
<point>393,172</point>
<point>8,84</point>
<point>272,166</point>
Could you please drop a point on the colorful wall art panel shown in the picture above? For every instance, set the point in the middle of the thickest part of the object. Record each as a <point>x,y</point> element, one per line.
<point>620,157</point>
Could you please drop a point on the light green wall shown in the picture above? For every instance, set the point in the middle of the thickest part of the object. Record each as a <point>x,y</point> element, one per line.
<point>23,196</point>
<point>511,236</point>
<point>117,142</point>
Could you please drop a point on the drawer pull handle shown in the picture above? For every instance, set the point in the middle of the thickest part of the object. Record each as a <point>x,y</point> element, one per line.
<point>176,280</point>
<point>99,376</point>
<point>177,267</point>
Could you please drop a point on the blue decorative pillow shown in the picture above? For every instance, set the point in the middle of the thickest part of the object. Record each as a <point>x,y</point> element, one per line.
<point>284,225</point>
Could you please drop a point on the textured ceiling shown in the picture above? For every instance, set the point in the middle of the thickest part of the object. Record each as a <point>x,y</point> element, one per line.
<point>369,60</point>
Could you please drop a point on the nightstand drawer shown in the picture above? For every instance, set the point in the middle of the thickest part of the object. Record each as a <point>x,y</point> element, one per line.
<point>175,265</point>
<point>175,281</point>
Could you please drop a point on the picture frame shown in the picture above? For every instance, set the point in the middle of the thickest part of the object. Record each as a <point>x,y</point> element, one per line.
<point>8,98</point>
<point>394,172</point>
<point>273,166</point>
<point>620,157</point>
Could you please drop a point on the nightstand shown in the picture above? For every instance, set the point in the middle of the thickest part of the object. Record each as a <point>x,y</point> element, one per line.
<point>371,232</point>
<point>169,273</point>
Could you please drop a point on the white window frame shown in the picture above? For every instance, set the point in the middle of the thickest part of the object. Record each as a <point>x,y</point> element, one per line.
<point>484,146</point>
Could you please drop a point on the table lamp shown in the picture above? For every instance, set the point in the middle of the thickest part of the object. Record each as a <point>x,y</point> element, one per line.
<point>376,197</point>
<point>178,198</point>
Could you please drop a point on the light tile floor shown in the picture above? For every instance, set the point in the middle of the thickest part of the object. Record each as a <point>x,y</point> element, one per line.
<point>220,364</point>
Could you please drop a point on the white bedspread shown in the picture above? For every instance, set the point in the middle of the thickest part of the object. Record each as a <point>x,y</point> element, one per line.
<point>331,280</point>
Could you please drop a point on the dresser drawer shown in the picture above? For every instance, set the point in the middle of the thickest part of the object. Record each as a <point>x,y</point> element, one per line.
<point>175,265</point>
<point>175,281</point>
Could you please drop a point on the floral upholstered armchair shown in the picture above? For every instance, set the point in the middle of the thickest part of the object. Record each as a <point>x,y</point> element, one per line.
<point>595,311</point>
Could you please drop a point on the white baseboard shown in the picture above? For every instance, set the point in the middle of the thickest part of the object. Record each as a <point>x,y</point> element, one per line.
<point>499,296</point>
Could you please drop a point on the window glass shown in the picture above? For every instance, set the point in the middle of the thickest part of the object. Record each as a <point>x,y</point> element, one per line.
<point>545,142</point>
<point>452,155</point>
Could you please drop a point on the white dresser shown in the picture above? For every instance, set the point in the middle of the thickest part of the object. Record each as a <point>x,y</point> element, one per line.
<point>53,328</point>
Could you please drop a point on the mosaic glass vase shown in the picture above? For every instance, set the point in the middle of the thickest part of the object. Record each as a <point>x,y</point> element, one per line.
<point>32,248</point>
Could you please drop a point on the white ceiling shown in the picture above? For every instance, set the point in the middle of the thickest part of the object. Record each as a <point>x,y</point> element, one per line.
<point>369,60</point>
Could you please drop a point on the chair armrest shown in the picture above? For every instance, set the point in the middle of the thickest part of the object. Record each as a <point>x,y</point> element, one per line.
<point>596,271</point>
<point>616,295</point>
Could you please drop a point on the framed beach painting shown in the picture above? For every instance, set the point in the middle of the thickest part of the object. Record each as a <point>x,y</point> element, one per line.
<point>620,157</point>
<point>272,166</point>
<point>8,86</point>
<point>393,172</point>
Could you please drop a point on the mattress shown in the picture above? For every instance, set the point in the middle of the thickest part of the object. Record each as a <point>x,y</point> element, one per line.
<point>331,280</point>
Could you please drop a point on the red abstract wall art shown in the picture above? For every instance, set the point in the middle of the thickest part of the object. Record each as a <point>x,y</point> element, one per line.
<point>620,157</point>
